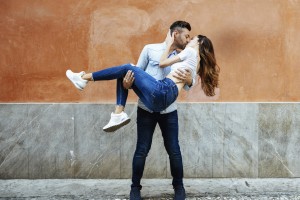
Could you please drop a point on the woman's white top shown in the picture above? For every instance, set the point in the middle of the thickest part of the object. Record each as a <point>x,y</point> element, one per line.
<point>189,60</point>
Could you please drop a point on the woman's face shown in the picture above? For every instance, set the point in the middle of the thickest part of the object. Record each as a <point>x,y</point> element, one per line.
<point>193,42</point>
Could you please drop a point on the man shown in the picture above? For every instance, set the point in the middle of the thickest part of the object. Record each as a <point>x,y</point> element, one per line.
<point>167,119</point>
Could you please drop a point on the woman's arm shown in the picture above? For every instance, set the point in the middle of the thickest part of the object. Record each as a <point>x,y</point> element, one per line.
<point>164,60</point>
<point>169,61</point>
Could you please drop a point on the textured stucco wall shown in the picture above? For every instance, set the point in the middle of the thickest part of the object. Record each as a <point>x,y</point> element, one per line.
<point>217,140</point>
<point>257,45</point>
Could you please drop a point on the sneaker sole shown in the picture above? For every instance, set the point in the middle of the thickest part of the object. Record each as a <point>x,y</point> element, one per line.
<point>116,127</point>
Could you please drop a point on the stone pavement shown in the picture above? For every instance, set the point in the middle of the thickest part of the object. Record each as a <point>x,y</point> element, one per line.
<point>197,189</point>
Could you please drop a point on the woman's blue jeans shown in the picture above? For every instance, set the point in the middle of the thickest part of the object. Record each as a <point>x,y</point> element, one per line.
<point>157,95</point>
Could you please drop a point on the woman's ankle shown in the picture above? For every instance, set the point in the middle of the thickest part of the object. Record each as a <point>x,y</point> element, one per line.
<point>119,109</point>
<point>87,77</point>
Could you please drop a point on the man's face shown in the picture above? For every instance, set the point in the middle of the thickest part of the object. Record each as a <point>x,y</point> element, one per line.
<point>182,37</point>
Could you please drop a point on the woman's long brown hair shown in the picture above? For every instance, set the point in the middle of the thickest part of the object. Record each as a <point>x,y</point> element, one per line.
<point>208,70</point>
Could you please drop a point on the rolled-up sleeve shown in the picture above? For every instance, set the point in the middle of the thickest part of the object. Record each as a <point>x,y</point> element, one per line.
<point>187,88</point>
<point>143,59</point>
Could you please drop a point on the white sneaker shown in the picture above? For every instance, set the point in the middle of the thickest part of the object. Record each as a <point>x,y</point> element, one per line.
<point>76,79</point>
<point>116,121</point>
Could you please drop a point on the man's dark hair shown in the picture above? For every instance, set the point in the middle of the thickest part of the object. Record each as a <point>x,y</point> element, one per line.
<point>178,25</point>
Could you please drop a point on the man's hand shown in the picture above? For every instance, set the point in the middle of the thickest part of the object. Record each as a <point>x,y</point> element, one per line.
<point>185,75</point>
<point>128,80</point>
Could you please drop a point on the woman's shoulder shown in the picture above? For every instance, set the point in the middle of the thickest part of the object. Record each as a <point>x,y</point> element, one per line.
<point>190,50</point>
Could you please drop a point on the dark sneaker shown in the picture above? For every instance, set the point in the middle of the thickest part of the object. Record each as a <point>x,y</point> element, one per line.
<point>179,193</point>
<point>135,193</point>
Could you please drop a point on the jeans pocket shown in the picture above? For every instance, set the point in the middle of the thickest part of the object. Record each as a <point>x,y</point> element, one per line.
<point>159,100</point>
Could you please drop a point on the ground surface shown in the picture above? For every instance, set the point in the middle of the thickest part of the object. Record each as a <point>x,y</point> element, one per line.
<point>197,189</point>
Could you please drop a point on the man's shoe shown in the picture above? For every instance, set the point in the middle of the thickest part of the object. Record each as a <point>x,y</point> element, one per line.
<point>179,193</point>
<point>116,121</point>
<point>135,193</point>
<point>76,79</point>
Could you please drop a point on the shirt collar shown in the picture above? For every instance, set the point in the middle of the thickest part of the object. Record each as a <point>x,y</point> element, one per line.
<point>174,52</point>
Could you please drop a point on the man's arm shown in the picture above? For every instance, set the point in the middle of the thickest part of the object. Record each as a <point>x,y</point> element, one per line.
<point>185,76</point>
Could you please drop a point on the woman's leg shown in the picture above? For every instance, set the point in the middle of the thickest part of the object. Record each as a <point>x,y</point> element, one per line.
<point>143,85</point>
<point>119,107</point>
<point>87,77</point>
<point>122,95</point>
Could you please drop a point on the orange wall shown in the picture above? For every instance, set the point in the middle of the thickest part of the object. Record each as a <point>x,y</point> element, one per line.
<point>257,45</point>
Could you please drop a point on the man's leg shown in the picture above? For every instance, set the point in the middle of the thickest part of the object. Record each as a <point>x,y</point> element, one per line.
<point>169,126</point>
<point>146,123</point>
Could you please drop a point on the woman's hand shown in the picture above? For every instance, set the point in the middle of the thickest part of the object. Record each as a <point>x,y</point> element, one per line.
<point>170,38</point>
<point>164,60</point>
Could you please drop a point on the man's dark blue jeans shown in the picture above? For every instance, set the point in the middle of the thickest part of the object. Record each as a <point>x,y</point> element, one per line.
<point>168,124</point>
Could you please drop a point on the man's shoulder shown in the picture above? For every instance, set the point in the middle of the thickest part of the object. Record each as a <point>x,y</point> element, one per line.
<point>156,46</point>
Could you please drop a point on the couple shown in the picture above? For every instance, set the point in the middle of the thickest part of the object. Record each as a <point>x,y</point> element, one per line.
<point>158,92</point>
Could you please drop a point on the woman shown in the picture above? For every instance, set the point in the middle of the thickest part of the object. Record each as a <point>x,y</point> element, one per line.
<point>157,94</point>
